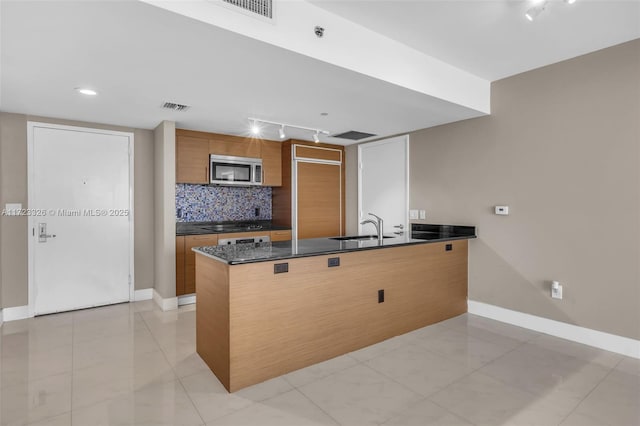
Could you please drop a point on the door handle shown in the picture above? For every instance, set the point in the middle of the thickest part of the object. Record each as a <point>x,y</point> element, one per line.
<point>42,233</point>
<point>399,226</point>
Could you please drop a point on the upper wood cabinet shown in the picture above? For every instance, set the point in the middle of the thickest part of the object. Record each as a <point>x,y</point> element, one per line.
<point>192,160</point>
<point>272,163</point>
<point>193,149</point>
<point>236,147</point>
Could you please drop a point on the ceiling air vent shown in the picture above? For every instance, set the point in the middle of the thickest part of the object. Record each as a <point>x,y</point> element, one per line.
<point>176,107</point>
<point>353,135</point>
<point>261,7</point>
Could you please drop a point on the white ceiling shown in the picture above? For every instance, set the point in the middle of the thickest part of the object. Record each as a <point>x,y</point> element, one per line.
<point>138,56</point>
<point>492,39</point>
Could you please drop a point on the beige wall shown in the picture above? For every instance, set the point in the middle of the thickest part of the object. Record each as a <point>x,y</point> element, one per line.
<point>165,209</point>
<point>13,189</point>
<point>562,149</point>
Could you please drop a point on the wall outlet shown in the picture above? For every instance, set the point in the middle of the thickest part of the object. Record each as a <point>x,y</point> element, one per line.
<point>423,214</point>
<point>556,290</point>
<point>502,210</point>
<point>413,214</point>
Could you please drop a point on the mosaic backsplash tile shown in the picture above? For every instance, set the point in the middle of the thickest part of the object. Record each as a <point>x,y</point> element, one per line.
<point>203,203</point>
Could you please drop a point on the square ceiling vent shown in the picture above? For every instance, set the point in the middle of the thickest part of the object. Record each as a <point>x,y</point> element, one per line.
<point>260,7</point>
<point>353,135</point>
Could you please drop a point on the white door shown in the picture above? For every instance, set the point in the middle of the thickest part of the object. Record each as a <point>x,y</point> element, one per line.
<point>383,184</point>
<point>80,208</point>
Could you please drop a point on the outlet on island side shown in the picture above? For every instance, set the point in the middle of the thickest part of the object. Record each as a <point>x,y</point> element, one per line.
<point>257,211</point>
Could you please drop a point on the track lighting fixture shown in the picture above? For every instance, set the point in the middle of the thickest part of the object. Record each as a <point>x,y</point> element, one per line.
<point>256,130</point>
<point>535,11</point>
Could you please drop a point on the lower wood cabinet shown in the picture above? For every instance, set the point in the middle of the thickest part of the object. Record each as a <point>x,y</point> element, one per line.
<point>186,261</point>
<point>282,235</point>
<point>185,257</point>
<point>253,325</point>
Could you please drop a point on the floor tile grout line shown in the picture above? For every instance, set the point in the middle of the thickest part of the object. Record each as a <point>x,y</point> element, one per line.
<point>587,395</point>
<point>193,404</point>
<point>295,388</point>
<point>178,378</point>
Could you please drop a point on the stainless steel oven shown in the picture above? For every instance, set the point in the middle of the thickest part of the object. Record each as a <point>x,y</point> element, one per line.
<point>242,240</point>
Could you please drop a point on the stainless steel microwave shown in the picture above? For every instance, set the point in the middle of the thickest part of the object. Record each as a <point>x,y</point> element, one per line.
<point>227,170</point>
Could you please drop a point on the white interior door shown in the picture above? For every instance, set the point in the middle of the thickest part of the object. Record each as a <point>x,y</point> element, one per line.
<point>80,205</point>
<point>383,183</point>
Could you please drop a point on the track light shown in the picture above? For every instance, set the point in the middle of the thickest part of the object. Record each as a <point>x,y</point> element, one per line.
<point>535,11</point>
<point>256,130</point>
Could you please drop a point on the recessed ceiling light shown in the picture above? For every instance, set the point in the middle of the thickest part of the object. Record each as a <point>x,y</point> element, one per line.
<point>85,91</point>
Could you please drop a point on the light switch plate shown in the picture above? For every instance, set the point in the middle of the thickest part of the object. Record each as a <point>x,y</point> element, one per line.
<point>413,214</point>
<point>423,214</point>
<point>502,210</point>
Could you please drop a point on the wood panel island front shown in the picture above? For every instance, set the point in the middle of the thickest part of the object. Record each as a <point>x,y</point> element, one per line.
<point>263,310</point>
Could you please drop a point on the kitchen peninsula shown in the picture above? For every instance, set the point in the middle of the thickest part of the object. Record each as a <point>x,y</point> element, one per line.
<point>266,309</point>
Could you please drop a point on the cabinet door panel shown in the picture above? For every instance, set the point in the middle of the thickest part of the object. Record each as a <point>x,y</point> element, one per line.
<point>192,160</point>
<point>179,266</point>
<point>244,147</point>
<point>319,200</point>
<point>282,235</point>
<point>272,163</point>
<point>191,241</point>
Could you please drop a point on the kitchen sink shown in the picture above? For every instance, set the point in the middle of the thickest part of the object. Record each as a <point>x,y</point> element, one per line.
<point>358,237</point>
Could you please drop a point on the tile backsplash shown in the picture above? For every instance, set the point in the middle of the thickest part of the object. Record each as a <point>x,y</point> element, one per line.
<point>203,203</point>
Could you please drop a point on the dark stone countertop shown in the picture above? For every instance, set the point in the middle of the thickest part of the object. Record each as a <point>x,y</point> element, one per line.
<point>264,252</point>
<point>201,228</point>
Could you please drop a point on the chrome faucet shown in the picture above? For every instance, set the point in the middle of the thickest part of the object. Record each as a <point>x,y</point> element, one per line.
<point>379,225</point>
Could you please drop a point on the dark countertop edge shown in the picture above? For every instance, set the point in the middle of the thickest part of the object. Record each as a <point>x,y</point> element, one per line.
<point>265,229</point>
<point>324,253</point>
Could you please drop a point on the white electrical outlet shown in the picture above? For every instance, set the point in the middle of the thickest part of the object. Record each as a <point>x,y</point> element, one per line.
<point>423,214</point>
<point>413,214</point>
<point>502,210</point>
<point>556,290</point>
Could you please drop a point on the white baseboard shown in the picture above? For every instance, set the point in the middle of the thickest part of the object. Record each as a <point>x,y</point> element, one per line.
<point>586,336</point>
<point>144,294</point>
<point>187,299</point>
<point>167,304</point>
<point>16,313</point>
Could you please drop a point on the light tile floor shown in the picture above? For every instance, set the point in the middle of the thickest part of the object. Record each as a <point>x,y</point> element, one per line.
<point>133,364</point>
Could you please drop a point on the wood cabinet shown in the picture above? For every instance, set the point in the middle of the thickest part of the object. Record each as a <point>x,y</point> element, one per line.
<point>272,163</point>
<point>185,260</point>
<point>192,160</point>
<point>311,199</point>
<point>180,265</point>
<point>253,325</point>
<point>234,146</point>
<point>185,257</point>
<point>193,149</point>
<point>281,235</point>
